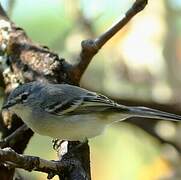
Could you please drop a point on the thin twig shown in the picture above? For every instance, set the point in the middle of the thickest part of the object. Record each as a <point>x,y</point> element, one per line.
<point>90,47</point>
<point>138,6</point>
<point>15,135</point>
<point>150,128</point>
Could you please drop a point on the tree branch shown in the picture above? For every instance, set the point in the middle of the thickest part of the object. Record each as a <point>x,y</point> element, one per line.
<point>90,47</point>
<point>150,128</point>
<point>9,140</point>
<point>138,6</point>
<point>149,125</point>
<point>33,163</point>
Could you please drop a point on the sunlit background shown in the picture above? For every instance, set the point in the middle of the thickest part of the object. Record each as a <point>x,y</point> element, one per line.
<point>142,62</point>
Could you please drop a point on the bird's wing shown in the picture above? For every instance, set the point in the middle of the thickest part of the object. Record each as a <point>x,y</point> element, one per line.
<point>87,103</point>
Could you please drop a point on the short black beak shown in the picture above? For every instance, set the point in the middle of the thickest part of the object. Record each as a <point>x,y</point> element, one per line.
<point>9,104</point>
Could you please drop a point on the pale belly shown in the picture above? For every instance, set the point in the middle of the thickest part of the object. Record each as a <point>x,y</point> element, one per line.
<point>73,128</point>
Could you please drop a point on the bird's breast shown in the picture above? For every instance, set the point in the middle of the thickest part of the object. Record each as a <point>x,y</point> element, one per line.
<point>75,127</point>
<point>67,127</point>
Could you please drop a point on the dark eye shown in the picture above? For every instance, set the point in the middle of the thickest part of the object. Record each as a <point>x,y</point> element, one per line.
<point>24,97</point>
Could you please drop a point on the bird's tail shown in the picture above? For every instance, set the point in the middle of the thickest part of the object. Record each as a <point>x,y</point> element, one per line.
<point>152,113</point>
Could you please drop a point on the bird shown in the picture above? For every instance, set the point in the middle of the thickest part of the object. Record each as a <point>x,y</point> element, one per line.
<point>68,112</point>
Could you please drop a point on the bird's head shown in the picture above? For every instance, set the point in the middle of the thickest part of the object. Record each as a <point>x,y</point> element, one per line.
<point>22,95</point>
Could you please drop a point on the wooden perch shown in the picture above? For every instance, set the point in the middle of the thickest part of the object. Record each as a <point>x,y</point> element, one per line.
<point>21,61</point>
<point>33,163</point>
<point>90,47</point>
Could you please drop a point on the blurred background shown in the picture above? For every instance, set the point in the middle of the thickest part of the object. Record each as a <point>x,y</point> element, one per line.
<point>141,64</point>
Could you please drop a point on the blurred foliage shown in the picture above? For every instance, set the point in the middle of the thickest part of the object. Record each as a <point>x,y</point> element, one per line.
<point>142,62</point>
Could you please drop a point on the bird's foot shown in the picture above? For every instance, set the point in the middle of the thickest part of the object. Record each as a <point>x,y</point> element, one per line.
<point>72,146</point>
<point>56,144</point>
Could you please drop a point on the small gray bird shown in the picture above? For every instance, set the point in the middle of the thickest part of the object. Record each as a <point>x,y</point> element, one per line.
<point>71,113</point>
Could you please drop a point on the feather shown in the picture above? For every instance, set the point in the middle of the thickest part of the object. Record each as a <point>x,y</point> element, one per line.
<point>88,103</point>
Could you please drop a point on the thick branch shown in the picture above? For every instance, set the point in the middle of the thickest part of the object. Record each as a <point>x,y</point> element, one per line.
<point>91,47</point>
<point>33,163</point>
<point>67,148</point>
